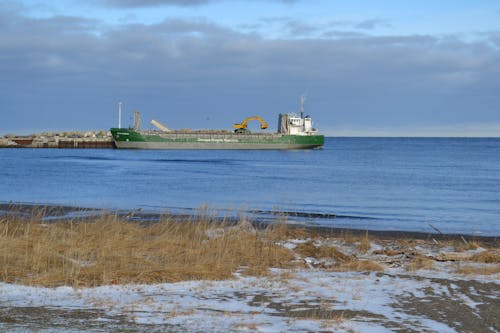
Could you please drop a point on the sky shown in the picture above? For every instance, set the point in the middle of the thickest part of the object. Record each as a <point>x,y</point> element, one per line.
<point>367,68</point>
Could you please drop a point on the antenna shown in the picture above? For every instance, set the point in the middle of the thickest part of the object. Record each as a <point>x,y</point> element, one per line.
<point>119,114</point>
<point>302,100</point>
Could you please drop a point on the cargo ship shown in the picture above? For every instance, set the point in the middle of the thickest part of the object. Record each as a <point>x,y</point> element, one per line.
<point>295,131</point>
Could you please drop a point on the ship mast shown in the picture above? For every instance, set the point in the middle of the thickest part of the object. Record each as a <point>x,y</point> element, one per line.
<point>302,100</point>
<point>119,114</point>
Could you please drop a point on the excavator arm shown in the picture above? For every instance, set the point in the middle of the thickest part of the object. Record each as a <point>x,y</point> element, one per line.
<point>243,124</point>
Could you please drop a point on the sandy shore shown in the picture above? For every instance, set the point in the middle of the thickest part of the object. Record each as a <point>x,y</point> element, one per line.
<point>308,300</point>
<point>60,212</point>
<point>406,282</point>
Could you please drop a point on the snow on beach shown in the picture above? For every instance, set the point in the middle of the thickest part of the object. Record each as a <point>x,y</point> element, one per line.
<point>312,298</point>
<point>305,301</point>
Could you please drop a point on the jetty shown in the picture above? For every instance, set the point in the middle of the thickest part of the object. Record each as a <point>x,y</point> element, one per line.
<point>72,139</point>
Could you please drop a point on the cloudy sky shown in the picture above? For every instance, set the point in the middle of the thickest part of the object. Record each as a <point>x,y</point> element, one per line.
<point>386,67</point>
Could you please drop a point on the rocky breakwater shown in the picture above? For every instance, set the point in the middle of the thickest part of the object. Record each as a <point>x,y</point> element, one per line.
<point>74,139</point>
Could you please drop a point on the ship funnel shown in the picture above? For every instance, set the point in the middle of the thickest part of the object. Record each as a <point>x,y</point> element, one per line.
<point>160,126</point>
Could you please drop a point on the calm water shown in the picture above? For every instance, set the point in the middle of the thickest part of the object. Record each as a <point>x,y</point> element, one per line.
<point>368,183</point>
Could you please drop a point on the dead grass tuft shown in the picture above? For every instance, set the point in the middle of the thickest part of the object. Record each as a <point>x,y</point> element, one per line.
<point>420,262</point>
<point>466,245</point>
<point>347,236</point>
<point>489,257</point>
<point>343,262</point>
<point>364,244</point>
<point>309,249</point>
<point>106,250</point>
<point>332,252</point>
<point>295,233</point>
<point>475,270</point>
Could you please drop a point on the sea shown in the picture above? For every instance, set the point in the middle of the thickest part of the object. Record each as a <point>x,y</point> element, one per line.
<point>431,185</point>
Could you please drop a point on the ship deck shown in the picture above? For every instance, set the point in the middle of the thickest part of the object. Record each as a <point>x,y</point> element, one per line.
<point>210,134</point>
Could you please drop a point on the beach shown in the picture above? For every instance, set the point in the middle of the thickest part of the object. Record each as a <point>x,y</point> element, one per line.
<point>250,166</point>
<point>330,280</point>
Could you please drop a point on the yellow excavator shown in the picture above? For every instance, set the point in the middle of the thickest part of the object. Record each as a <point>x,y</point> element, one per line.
<point>242,127</point>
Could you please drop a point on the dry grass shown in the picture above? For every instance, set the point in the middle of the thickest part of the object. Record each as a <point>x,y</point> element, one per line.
<point>489,257</point>
<point>364,244</point>
<point>343,262</point>
<point>420,262</point>
<point>479,270</point>
<point>309,249</point>
<point>348,237</point>
<point>332,252</point>
<point>107,251</point>
<point>465,245</point>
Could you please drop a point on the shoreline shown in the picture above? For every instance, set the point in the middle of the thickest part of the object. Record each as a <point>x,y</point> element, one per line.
<point>396,234</point>
<point>54,213</point>
<point>97,270</point>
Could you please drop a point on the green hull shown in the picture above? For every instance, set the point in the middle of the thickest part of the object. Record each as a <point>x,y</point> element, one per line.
<point>131,139</point>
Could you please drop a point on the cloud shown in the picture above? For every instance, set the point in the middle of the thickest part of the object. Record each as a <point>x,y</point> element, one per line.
<point>69,72</point>
<point>342,34</point>
<point>447,130</point>
<point>371,24</point>
<point>298,28</point>
<point>493,37</point>
<point>183,3</point>
<point>149,3</point>
<point>294,28</point>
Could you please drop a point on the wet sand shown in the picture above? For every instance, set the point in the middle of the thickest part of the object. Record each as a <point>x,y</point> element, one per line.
<point>61,213</point>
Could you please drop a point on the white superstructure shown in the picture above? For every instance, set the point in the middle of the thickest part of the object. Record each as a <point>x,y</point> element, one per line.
<point>293,124</point>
